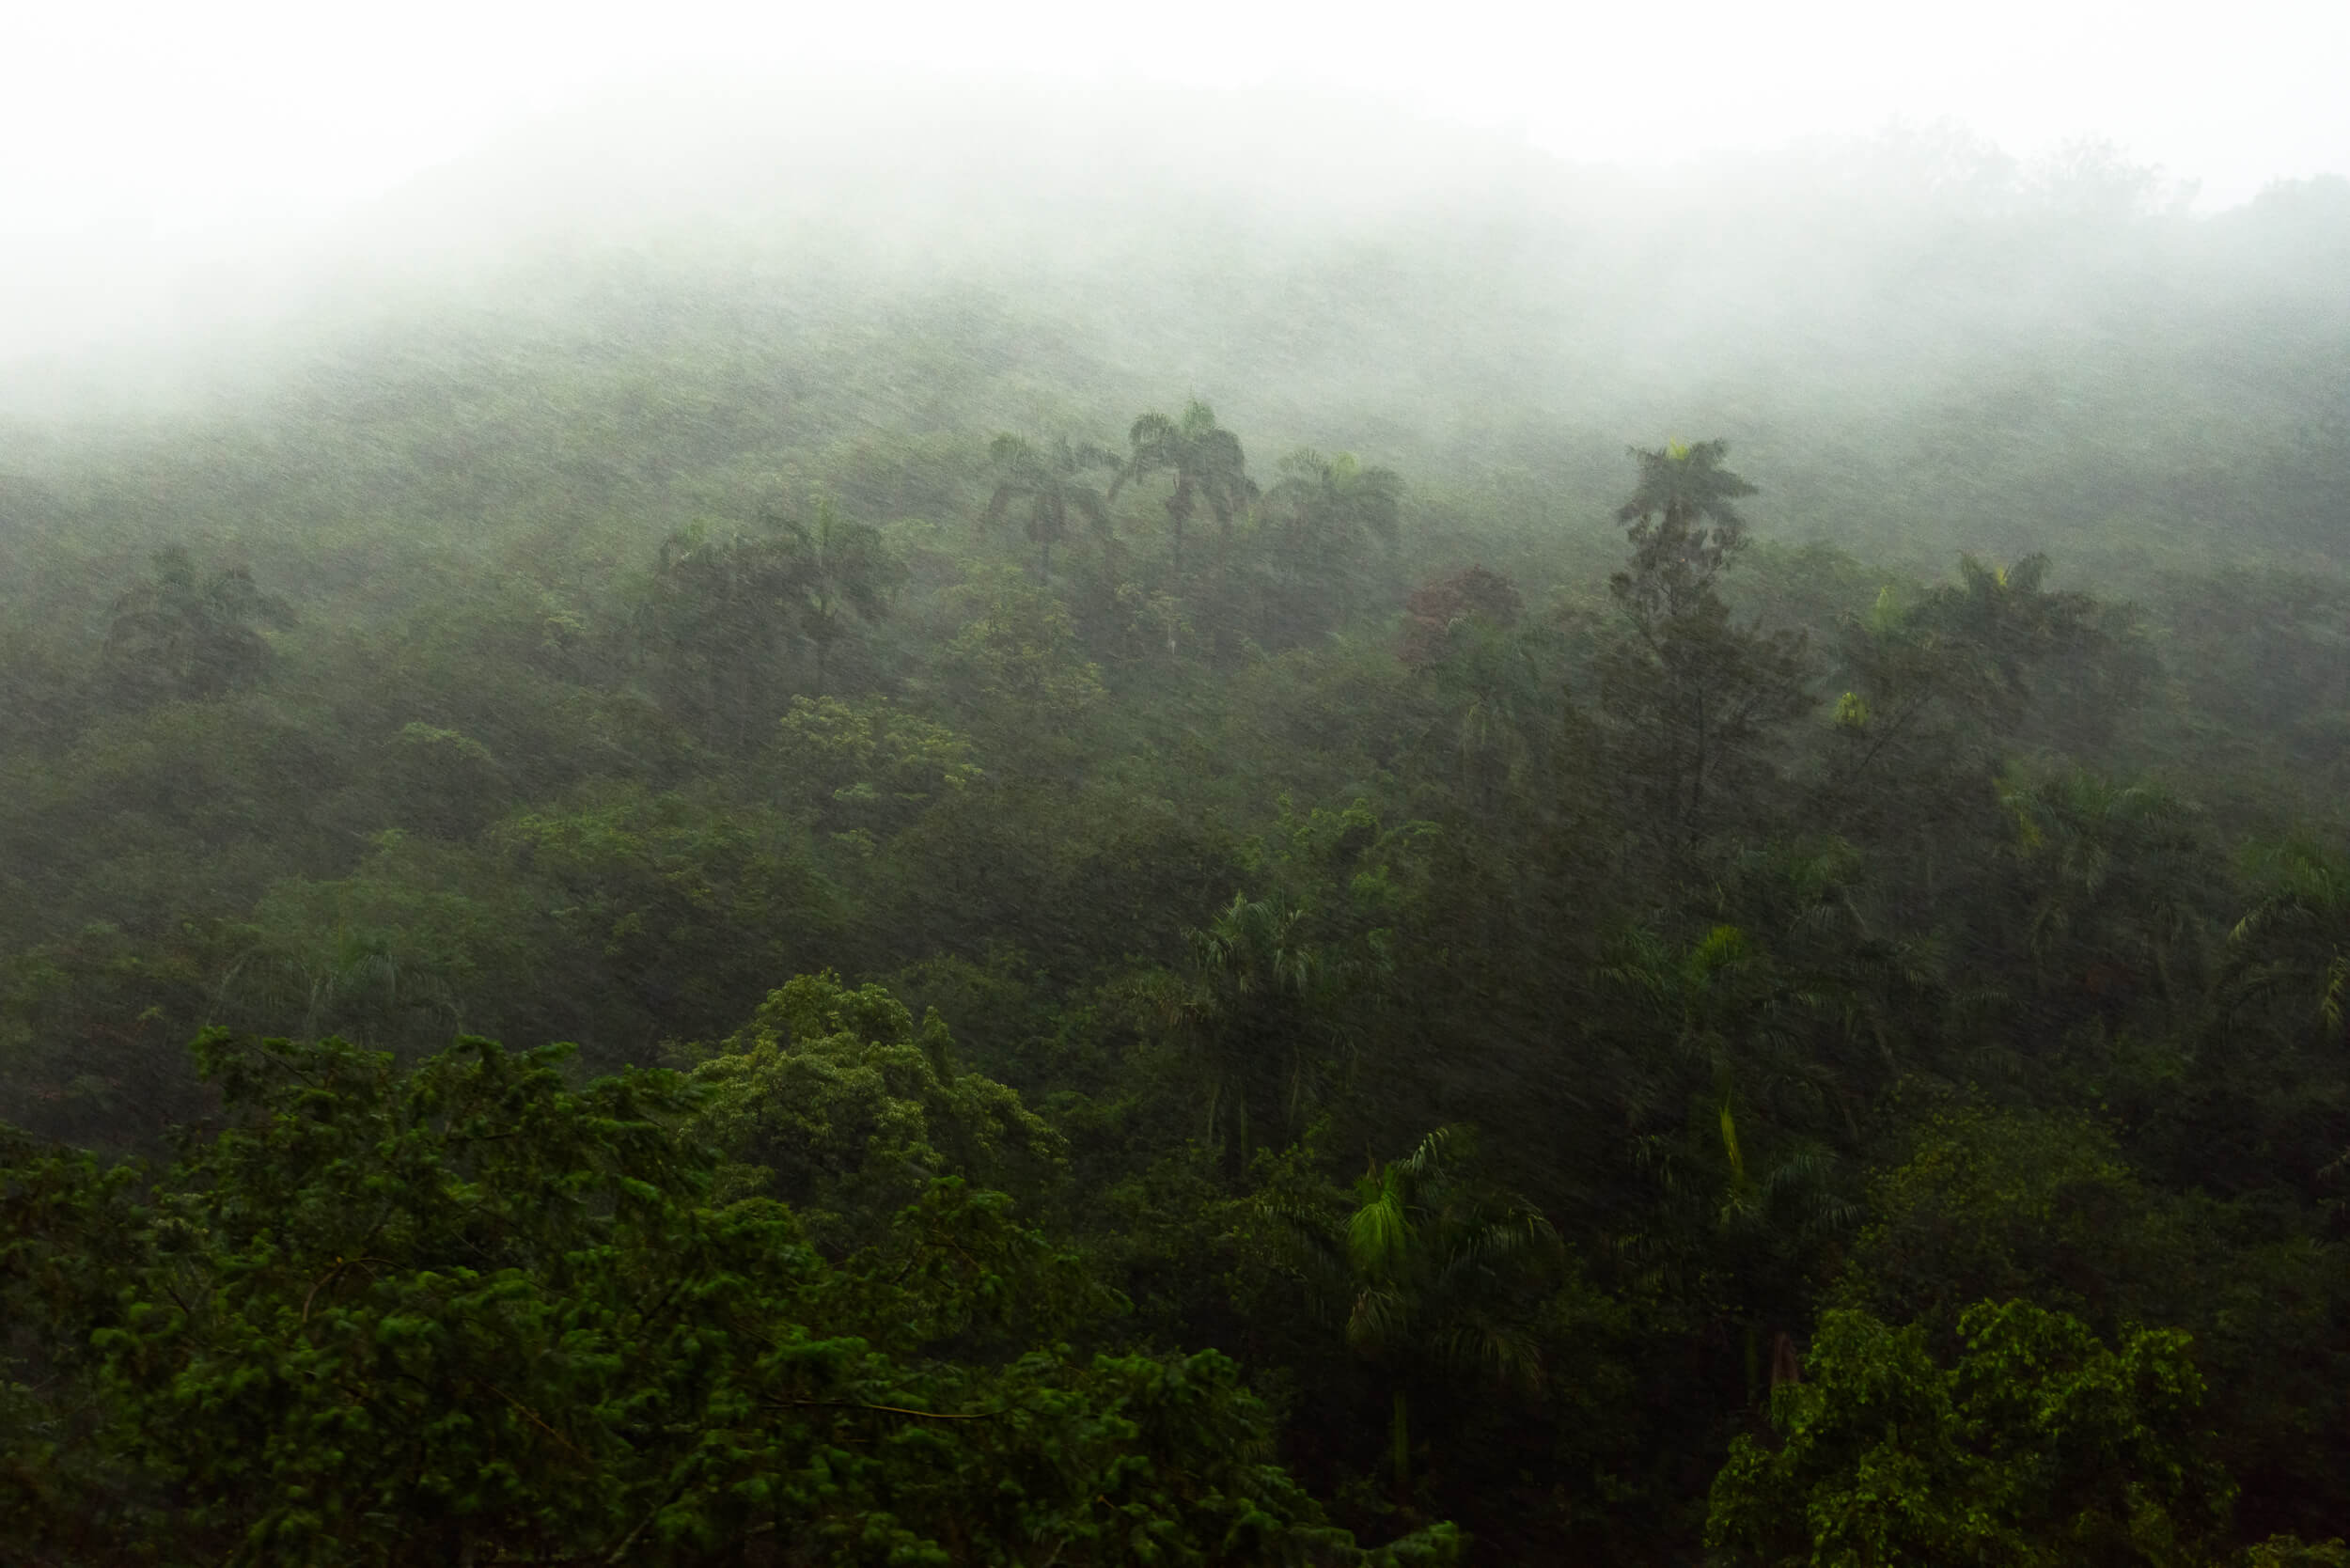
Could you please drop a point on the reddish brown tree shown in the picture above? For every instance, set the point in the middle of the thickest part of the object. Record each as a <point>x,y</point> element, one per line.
<point>1436,607</point>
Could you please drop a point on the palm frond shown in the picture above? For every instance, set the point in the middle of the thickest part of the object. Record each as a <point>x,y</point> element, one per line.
<point>1379,1321</point>
<point>1380,1233</point>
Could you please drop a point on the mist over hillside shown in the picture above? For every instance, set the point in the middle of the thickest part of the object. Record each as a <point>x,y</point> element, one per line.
<point>1098,829</point>
<point>1929,346</point>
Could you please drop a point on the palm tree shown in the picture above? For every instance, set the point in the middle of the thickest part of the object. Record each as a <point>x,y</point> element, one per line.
<point>835,567</point>
<point>2115,868</point>
<point>723,601</point>
<point>1048,481</point>
<point>349,982</point>
<point>2298,937</point>
<point>1440,1276</point>
<point>1684,528</point>
<point>1745,1187</point>
<point>1730,1029</point>
<point>1207,462</point>
<point>1999,621</point>
<point>1257,1015</point>
<point>179,634</point>
<point>1697,696</point>
<point>711,619</point>
<point>1333,508</point>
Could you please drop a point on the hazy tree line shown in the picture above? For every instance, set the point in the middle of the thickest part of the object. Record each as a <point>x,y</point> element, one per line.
<point>1127,996</point>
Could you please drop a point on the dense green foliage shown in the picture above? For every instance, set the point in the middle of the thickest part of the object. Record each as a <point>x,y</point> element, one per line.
<point>386,1317</point>
<point>1153,1000</point>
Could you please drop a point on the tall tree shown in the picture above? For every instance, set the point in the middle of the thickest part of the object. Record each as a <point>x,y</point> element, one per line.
<point>1441,609</point>
<point>1049,481</point>
<point>1459,636</point>
<point>833,569</point>
<point>1332,511</point>
<point>2296,941</point>
<point>712,622</point>
<point>723,603</point>
<point>1698,695</point>
<point>1440,1276</point>
<point>1941,687</point>
<point>1974,655</point>
<point>1208,465</point>
<point>2111,873</point>
<point>2041,1445</point>
<point>1685,529</point>
<point>1256,1015</point>
<point>1731,1096</point>
<point>186,635</point>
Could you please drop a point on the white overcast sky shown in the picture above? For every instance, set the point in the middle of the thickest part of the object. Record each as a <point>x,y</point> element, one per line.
<point>196,122</point>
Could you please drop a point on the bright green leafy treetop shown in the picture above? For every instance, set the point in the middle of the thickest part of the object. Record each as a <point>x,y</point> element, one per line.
<point>2040,1446</point>
<point>854,1109</point>
<point>471,1313</point>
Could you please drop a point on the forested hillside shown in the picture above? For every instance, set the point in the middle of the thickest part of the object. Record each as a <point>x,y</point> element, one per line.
<point>1376,853</point>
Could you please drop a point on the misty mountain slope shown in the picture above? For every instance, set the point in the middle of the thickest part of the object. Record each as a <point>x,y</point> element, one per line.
<point>1509,947</point>
<point>641,313</point>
